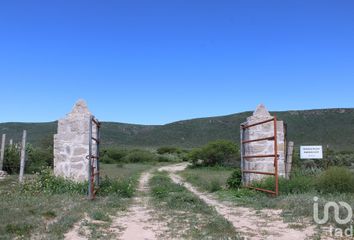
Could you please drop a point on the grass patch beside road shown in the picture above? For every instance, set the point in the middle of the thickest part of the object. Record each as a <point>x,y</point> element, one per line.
<point>210,179</point>
<point>187,216</point>
<point>296,203</point>
<point>48,215</point>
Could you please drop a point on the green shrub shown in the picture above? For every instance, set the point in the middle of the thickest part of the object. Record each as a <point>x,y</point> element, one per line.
<point>113,155</point>
<point>168,158</point>
<point>196,156</point>
<point>38,158</point>
<point>335,180</point>
<point>215,153</point>
<point>136,156</point>
<point>235,180</point>
<point>12,160</point>
<point>169,150</point>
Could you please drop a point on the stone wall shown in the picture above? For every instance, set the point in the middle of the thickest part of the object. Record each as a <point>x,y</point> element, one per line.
<point>71,144</point>
<point>263,147</point>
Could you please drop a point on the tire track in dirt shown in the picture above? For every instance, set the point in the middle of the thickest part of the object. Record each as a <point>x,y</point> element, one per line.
<point>138,222</point>
<point>265,225</point>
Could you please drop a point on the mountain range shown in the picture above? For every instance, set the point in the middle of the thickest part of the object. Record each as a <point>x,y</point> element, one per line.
<point>327,127</point>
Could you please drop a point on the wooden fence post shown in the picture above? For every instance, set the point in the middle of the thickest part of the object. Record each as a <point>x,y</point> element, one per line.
<point>2,151</point>
<point>23,155</point>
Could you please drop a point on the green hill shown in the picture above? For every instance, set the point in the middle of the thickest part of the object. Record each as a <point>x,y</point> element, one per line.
<point>333,127</point>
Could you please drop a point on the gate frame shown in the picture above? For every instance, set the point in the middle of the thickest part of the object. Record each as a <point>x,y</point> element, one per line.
<point>94,176</point>
<point>275,155</point>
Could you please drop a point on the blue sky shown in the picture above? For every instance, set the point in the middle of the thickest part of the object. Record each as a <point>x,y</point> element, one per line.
<point>154,62</point>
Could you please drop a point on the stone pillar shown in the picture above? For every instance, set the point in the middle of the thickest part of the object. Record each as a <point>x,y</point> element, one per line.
<point>289,159</point>
<point>262,147</point>
<point>71,144</point>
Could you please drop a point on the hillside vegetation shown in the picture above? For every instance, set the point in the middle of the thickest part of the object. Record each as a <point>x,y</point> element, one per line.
<point>333,127</point>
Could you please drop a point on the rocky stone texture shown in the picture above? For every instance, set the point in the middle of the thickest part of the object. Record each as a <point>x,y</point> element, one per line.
<point>3,174</point>
<point>263,147</point>
<point>71,144</point>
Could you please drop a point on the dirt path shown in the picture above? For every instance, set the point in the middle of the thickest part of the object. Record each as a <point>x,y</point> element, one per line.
<point>264,224</point>
<point>138,222</point>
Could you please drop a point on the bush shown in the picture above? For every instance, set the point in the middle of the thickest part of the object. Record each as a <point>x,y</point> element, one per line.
<point>12,160</point>
<point>38,158</point>
<point>137,156</point>
<point>168,158</point>
<point>335,180</point>
<point>235,180</point>
<point>215,153</point>
<point>113,155</point>
<point>169,150</point>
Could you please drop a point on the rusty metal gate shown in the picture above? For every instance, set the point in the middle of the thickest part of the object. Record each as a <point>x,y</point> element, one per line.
<point>93,157</point>
<point>274,155</point>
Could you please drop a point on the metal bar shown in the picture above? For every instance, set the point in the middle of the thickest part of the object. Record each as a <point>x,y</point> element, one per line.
<point>258,172</point>
<point>262,190</point>
<point>96,121</point>
<point>95,139</point>
<point>242,153</point>
<point>260,156</point>
<point>90,183</point>
<point>258,123</point>
<point>98,137</point>
<point>276,156</point>
<point>257,140</point>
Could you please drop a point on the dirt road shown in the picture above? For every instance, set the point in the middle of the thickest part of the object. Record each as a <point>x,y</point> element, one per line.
<point>138,222</point>
<point>264,224</point>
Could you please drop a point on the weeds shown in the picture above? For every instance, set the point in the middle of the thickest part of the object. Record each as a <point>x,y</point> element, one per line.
<point>335,180</point>
<point>46,182</point>
<point>100,216</point>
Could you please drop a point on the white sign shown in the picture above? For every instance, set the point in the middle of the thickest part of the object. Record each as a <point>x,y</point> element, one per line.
<point>311,152</point>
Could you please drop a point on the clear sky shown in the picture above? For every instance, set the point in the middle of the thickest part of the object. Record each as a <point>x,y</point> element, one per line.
<point>155,62</point>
